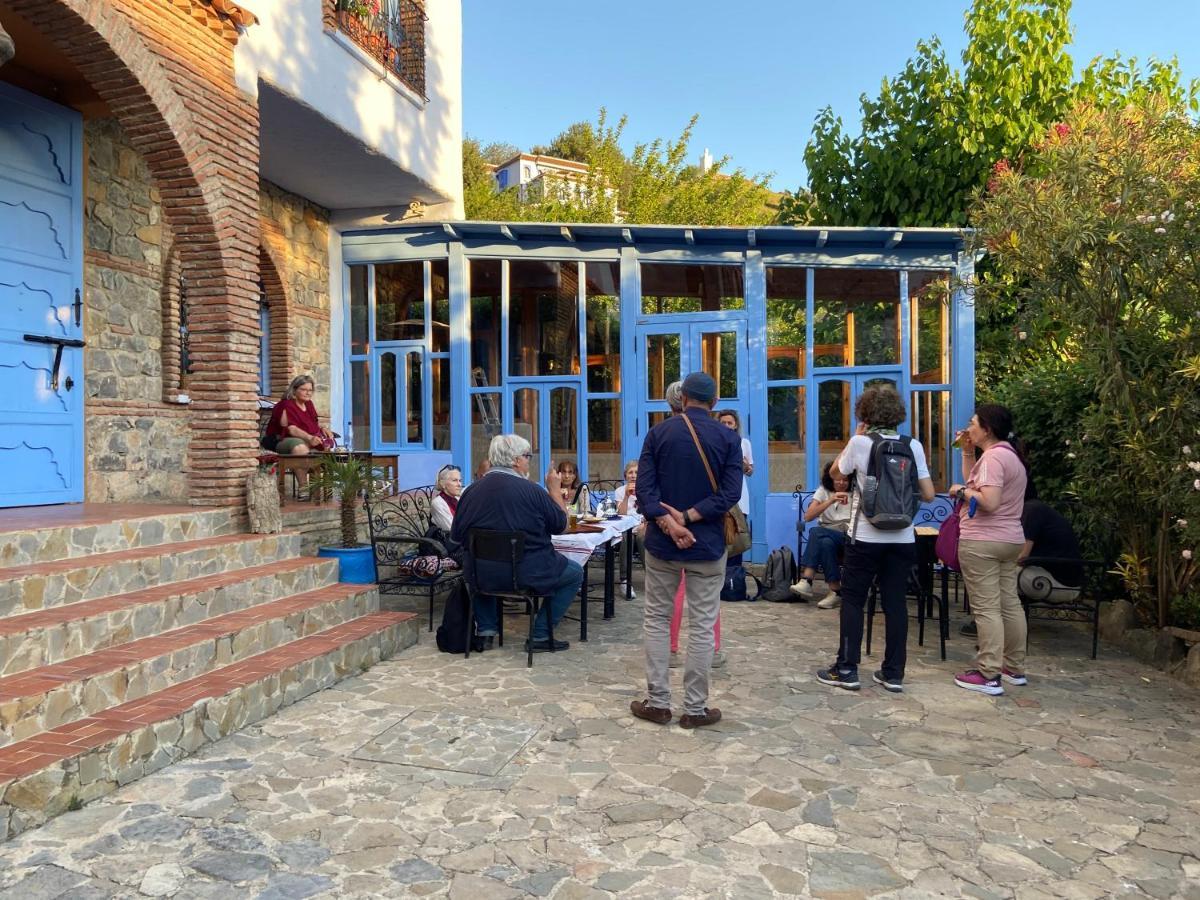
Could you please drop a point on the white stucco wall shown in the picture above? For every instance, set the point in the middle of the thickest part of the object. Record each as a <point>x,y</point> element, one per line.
<point>290,49</point>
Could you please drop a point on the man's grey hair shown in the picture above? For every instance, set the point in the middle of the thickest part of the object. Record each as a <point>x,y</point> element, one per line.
<point>674,396</point>
<point>506,449</point>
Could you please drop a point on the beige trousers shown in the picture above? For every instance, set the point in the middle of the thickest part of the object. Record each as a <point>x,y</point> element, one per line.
<point>989,569</point>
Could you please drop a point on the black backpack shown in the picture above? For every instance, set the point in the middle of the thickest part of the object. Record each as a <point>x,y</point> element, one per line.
<point>734,590</point>
<point>452,633</point>
<point>890,491</point>
<point>778,576</point>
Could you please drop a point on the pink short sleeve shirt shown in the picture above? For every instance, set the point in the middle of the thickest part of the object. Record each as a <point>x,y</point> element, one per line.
<point>999,466</point>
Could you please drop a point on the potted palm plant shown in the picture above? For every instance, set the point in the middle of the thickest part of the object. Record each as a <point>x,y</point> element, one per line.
<point>348,478</point>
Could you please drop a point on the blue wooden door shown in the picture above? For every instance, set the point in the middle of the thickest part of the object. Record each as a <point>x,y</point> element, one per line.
<point>41,253</point>
<point>668,351</point>
<point>549,415</point>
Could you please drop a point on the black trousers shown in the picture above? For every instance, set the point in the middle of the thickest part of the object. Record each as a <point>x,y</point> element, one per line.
<point>891,564</point>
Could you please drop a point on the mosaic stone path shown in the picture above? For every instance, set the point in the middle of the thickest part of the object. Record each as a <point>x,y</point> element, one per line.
<point>431,775</point>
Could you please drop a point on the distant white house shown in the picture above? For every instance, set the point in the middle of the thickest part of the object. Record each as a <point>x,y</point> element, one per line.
<point>538,177</point>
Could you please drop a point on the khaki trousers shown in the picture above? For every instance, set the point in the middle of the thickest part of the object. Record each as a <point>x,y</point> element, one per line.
<point>703,593</point>
<point>989,569</point>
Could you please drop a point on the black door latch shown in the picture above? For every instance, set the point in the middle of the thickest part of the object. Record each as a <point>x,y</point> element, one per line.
<point>58,343</point>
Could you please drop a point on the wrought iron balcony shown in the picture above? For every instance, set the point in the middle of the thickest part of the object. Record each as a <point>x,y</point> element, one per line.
<point>391,31</point>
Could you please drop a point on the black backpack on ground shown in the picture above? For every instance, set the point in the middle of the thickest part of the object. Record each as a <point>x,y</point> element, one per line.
<point>452,633</point>
<point>778,576</point>
<point>891,494</point>
<point>734,589</point>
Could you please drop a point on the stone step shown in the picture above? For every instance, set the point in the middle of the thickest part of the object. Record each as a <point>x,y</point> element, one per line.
<point>49,696</point>
<point>62,632</point>
<point>44,775</point>
<point>22,544</point>
<point>42,585</point>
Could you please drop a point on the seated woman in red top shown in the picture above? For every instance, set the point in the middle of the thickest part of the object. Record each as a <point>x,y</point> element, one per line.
<point>294,429</point>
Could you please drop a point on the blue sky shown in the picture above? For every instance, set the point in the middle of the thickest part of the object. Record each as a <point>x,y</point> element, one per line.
<point>756,71</point>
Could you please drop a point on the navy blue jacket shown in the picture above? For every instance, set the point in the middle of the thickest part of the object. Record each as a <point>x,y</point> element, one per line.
<point>670,471</point>
<point>504,501</point>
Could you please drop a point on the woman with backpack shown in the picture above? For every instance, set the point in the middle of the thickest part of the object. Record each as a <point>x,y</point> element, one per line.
<point>990,544</point>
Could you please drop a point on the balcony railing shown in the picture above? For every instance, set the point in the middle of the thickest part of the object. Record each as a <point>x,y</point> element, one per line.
<point>394,35</point>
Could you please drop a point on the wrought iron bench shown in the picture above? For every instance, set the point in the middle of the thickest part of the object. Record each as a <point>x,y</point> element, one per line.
<point>399,526</point>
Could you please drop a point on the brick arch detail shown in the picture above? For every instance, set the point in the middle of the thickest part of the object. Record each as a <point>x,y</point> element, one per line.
<point>165,69</point>
<point>280,348</point>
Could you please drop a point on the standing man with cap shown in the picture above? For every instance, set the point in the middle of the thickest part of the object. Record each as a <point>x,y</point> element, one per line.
<point>685,532</point>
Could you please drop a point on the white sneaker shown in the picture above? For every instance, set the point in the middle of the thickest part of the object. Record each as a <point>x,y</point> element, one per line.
<point>803,588</point>
<point>676,660</point>
<point>832,600</point>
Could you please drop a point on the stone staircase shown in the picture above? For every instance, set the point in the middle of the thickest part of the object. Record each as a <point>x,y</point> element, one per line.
<point>128,644</point>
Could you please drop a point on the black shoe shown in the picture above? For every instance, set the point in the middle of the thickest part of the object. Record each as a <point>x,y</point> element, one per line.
<point>489,641</point>
<point>895,685</point>
<point>544,646</point>
<point>969,629</point>
<point>844,677</point>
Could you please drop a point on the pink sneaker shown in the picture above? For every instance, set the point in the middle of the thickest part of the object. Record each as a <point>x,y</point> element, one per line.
<point>973,680</point>
<point>1013,677</point>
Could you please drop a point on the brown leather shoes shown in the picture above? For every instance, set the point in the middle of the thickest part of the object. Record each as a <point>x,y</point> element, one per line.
<point>710,717</point>
<point>659,716</point>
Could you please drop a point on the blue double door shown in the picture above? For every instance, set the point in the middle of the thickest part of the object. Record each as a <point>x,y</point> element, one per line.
<point>41,309</point>
<point>668,351</point>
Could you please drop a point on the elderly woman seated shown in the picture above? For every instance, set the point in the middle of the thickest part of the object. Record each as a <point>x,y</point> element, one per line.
<point>445,501</point>
<point>507,501</point>
<point>294,429</point>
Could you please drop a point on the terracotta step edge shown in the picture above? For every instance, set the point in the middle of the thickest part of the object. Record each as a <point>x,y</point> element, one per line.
<point>85,609</point>
<point>75,738</point>
<point>215,628</point>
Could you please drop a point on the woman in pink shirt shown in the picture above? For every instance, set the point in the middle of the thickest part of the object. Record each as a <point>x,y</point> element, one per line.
<point>990,543</point>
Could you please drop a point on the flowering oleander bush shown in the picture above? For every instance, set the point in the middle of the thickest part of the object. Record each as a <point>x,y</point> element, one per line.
<point>1096,231</point>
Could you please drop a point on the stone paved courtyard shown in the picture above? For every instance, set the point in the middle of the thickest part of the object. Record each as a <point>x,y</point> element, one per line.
<point>433,775</point>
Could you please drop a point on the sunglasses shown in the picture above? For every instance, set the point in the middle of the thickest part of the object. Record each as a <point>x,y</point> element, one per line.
<point>527,455</point>
<point>449,469</point>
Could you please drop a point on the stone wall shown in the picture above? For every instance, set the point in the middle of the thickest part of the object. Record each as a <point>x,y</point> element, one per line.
<point>137,445</point>
<point>296,239</point>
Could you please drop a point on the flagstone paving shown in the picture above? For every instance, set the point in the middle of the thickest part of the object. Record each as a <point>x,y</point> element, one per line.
<point>431,775</point>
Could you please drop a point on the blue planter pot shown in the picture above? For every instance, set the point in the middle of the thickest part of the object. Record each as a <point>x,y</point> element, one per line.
<point>355,564</point>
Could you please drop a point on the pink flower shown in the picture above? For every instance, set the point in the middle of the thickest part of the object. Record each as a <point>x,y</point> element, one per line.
<point>1062,129</point>
<point>1187,554</point>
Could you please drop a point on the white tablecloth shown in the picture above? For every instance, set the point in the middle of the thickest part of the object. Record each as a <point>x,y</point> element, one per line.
<point>579,547</point>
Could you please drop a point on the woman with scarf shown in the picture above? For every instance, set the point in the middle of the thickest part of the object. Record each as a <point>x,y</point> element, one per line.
<point>445,501</point>
<point>294,429</point>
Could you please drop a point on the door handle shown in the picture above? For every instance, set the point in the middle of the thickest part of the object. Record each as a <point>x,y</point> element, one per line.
<point>58,344</point>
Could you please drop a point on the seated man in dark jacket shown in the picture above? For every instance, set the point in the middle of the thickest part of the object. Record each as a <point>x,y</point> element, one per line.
<point>506,500</point>
<point>1048,535</point>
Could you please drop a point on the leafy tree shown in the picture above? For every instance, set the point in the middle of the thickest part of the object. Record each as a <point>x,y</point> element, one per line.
<point>928,140</point>
<point>653,184</point>
<point>1096,232</point>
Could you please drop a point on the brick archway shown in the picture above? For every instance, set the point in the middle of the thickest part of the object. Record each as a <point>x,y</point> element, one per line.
<point>280,349</point>
<point>165,69</point>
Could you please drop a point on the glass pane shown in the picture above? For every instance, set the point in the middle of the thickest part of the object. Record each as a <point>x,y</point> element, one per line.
<point>718,357</point>
<point>662,364</point>
<point>387,398</point>
<point>440,297</point>
<point>930,421</point>
<point>359,327</point>
<point>440,373</point>
<point>543,318</point>
<point>787,290</point>
<point>564,425</point>
<point>668,288</point>
<point>525,420</point>
<point>785,432</point>
<point>415,407</point>
<point>485,321</point>
<point>834,426</point>
<point>656,417</point>
<point>360,405</point>
<point>929,294</point>
<point>603,292</point>
<point>400,301</point>
<point>856,317</point>
<point>485,425</point>
<point>604,439</point>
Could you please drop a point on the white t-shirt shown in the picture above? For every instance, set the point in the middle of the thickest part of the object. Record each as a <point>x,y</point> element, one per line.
<point>748,456</point>
<point>856,459</point>
<point>619,495</point>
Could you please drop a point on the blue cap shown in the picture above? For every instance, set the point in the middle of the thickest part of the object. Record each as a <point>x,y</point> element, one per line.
<point>700,386</point>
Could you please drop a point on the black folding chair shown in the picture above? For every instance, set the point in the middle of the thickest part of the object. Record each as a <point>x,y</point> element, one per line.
<point>503,547</point>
